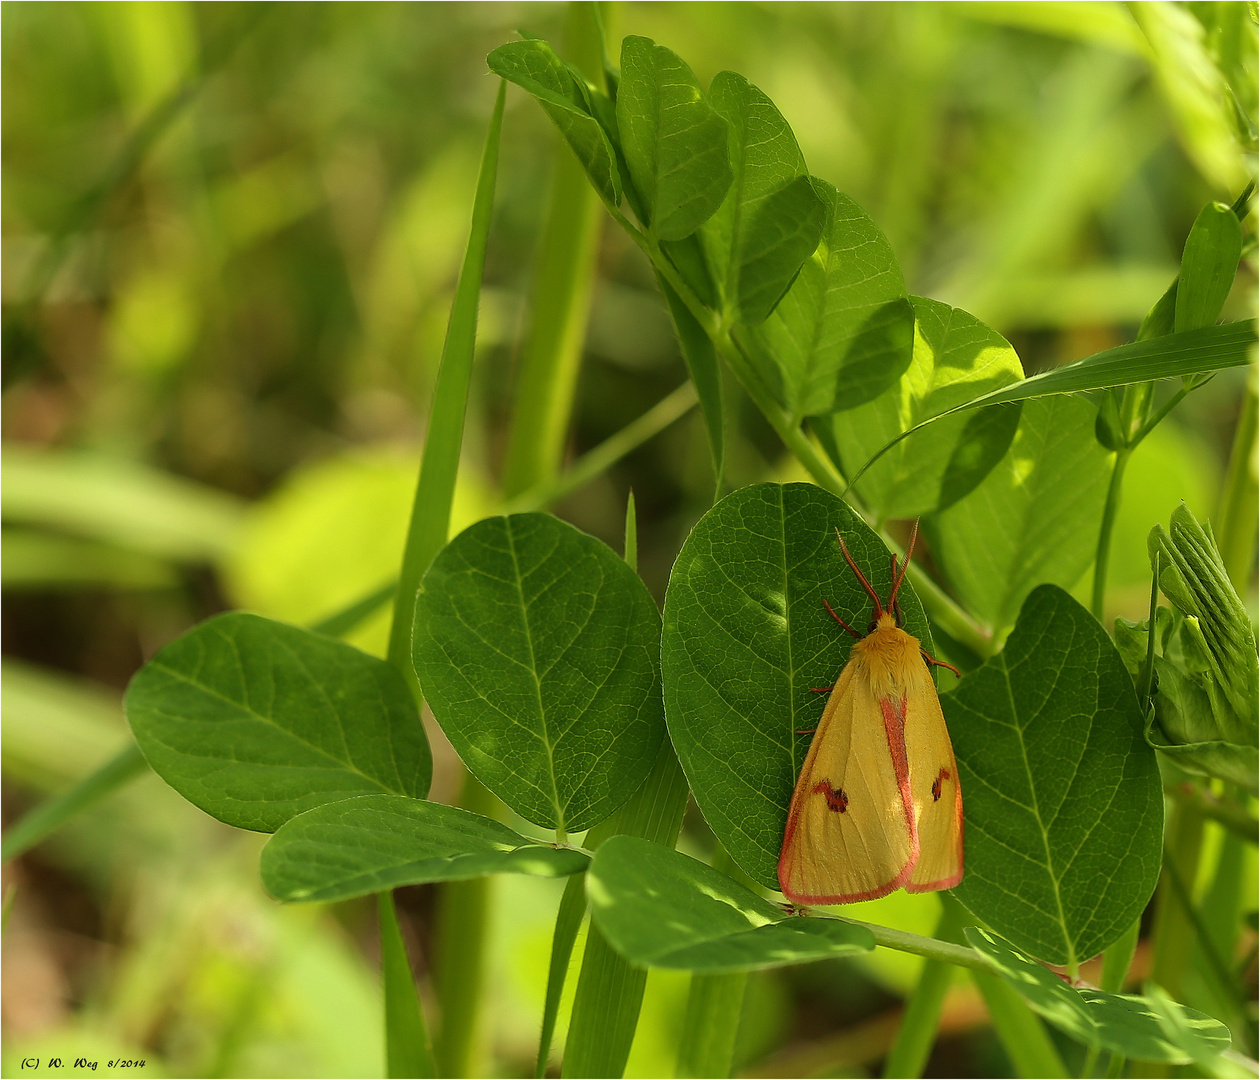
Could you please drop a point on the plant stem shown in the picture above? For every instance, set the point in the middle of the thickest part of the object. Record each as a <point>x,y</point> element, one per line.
<point>1236,518</point>
<point>1112,507</point>
<point>934,949</point>
<point>917,1031</point>
<point>1173,934</point>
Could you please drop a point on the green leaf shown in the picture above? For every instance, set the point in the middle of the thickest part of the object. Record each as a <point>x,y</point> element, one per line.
<point>376,842</point>
<point>1193,352</point>
<point>569,100</point>
<point>956,358</point>
<point>746,638</point>
<point>1209,264</point>
<point>673,141</point>
<point>537,647</point>
<point>660,908</point>
<point>1034,518</point>
<point>1061,794</point>
<point>254,721</point>
<point>772,219</point>
<point>1125,1024</point>
<point>844,332</point>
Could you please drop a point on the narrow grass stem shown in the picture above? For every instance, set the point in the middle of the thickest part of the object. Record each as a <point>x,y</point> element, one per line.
<point>1110,510</point>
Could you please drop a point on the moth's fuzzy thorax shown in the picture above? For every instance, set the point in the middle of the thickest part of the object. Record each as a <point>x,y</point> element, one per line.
<point>888,657</point>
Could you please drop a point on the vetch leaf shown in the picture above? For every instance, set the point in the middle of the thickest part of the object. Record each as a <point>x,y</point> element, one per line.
<point>1064,808</point>
<point>660,908</point>
<point>746,638</point>
<point>956,358</point>
<point>1134,1027</point>
<point>772,219</point>
<point>673,141</point>
<point>844,332</point>
<point>1033,519</point>
<point>570,102</point>
<point>255,721</point>
<point>1209,264</point>
<point>537,647</point>
<point>378,842</point>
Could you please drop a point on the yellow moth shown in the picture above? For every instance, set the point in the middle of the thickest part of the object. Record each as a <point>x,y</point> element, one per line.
<point>877,805</point>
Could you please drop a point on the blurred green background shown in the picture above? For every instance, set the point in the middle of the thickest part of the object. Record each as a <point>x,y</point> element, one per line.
<point>231,233</point>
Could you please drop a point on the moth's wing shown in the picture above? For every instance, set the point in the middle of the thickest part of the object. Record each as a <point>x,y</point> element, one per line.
<point>935,793</point>
<point>834,855</point>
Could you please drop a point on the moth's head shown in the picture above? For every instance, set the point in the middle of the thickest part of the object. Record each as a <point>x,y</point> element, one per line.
<point>884,614</point>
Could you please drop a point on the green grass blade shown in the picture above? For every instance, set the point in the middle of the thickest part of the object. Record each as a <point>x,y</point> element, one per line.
<point>406,1038</point>
<point>917,1031</point>
<point>51,815</point>
<point>711,1024</point>
<point>599,459</point>
<point>568,922</point>
<point>340,623</point>
<point>610,991</point>
<point>1020,1030</point>
<point>630,550</point>
<point>1194,352</point>
<point>561,295</point>
<point>431,511</point>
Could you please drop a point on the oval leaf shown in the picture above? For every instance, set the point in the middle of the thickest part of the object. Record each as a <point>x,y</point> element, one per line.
<point>1125,1024</point>
<point>747,639</point>
<point>566,97</point>
<point>956,358</point>
<point>1209,264</point>
<point>1063,798</point>
<point>537,649</point>
<point>673,141</point>
<point>1033,519</point>
<point>772,219</point>
<point>844,332</point>
<point>255,721</point>
<point>377,842</point>
<point>659,908</point>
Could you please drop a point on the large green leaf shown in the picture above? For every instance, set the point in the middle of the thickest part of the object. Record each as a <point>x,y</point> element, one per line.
<point>673,141</point>
<point>377,842</point>
<point>956,358</point>
<point>570,102</point>
<point>844,332</point>
<point>1034,518</point>
<point>772,219</point>
<point>1134,1027</point>
<point>255,721</point>
<point>1061,794</point>
<point>745,641</point>
<point>537,648</point>
<point>660,908</point>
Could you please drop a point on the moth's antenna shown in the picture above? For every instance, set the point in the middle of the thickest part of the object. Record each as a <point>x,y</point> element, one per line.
<point>898,578</point>
<point>879,607</point>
